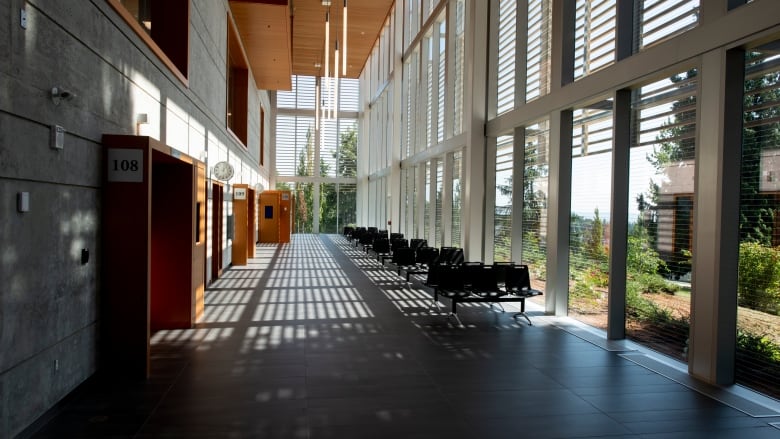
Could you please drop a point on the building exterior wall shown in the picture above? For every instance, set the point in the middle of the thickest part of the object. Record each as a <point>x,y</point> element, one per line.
<point>50,300</point>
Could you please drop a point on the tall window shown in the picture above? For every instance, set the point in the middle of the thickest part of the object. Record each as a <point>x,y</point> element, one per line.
<point>458,65</point>
<point>758,299</point>
<point>660,219</point>
<point>535,183</point>
<point>437,227</point>
<point>409,194</point>
<point>457,190</point>
<point>591,191</point>
<point>442,85</point>
<point>427,196</point>
<point>322,168</point>
<point>502,222</point>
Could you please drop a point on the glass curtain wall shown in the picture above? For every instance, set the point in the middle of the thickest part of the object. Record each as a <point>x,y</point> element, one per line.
<point>660,222</point>
<point>591,190</point>
<point>758,290</point>
<point>332,157</point>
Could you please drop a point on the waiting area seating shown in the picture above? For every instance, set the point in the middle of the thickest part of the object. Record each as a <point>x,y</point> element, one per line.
<point>446,273</point>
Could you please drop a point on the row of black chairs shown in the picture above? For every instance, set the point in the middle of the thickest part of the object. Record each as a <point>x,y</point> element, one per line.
<point>446,271</point>
<point>479,282</point>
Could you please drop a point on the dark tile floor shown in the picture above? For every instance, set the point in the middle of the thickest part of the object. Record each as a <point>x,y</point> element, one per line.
<point>314,340</point>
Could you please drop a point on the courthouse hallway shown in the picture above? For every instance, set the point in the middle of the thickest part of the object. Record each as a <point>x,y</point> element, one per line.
<point>313,339</point>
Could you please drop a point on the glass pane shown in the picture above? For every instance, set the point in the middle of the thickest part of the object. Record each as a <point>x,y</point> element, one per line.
<point>502,222</point>
<point>438,230</point>
<point>661,214</point>
<point>507,39</point>
<point>594,46</point>
<point>329,208</point>
<point>441,78</point>
<point>662,19</point>
<point>537,82</point>
<point>427,196</point>
<point>591,190</point>
<point>535,180</point>
<point>758,312</point>
<point>459,53</point>
<point>303,210</point>
<point>456,199</point>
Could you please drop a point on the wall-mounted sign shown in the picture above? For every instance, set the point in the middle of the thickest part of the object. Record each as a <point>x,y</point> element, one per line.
<point>223,171</point>
<point>125,165</point>
<point>239,193</point>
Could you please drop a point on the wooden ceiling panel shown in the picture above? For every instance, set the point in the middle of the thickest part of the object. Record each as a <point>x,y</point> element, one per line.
<point>265,33</point>
<point>364,21</point>
<point>280,42</point>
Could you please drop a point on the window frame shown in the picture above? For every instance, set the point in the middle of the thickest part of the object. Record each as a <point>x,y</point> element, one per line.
<point>147,38</point>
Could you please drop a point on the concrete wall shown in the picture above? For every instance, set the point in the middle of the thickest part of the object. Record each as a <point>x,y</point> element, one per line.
<point>49,300</point>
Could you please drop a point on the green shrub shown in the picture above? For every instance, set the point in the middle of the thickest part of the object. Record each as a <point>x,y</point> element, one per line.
<point>760,348</point>
<point>759,277</point>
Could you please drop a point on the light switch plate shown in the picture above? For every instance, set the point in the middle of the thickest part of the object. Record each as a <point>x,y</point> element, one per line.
<point>23,202</point>
<point>57,137</point>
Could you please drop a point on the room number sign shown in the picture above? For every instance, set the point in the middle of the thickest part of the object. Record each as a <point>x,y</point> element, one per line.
<point>125,165</point>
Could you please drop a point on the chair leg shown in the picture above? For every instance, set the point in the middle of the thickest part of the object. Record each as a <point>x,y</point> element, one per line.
<point>499,305</point>
<point>455,316</point>
<point>524,315</point>
<point>435,301</point>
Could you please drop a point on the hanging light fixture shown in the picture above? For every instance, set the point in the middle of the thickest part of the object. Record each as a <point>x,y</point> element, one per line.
<point>335,107</point>
<point>344,41</point>
<point>317,104</point>
<point>327,55</point>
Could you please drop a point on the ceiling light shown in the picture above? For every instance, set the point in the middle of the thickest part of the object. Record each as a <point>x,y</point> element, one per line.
<point>344,40</point>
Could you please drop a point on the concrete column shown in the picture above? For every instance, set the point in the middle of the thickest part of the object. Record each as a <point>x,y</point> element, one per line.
<point>618,248</point>
<point>559,213</point>
<point>716,217</point>
<point>474,126</point>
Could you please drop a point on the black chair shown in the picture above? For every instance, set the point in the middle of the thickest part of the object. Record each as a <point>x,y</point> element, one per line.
<point>518,283</point>
<point>457,257</point>
<point>483,282</point>
<point>348,230</point>
<point>381,247</point>
<point>398,243</point>
<point>450,283</point>
<point>427,256</point>
<point>416,243</point>
<point>402,259</point>
<point>501,273</point>
<point>366,240</point>
<point>357,234</point>
<point>446,254</point>
<point>396,236</point>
